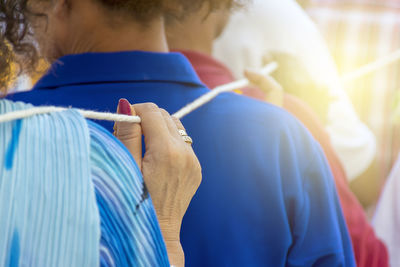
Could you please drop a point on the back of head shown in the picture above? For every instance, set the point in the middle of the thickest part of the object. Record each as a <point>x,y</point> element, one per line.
<point>197,30</point>
<point>145,10</point>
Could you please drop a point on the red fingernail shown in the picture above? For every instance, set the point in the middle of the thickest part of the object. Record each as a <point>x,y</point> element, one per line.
<point>124,107</point>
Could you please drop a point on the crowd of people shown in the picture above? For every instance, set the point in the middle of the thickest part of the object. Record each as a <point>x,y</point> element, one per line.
<point>278,173</point>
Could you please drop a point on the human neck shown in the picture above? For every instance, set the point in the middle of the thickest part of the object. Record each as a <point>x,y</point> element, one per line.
<point>193,34</point>
<point>189,40</point>
<point>124,37</point>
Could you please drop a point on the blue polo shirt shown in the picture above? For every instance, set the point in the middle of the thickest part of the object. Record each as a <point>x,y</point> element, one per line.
<point>267,196</point>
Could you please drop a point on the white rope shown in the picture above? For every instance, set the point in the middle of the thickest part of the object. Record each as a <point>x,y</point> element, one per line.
<point>221,89</point>
<point>26,113</point>
<point>372,67</point>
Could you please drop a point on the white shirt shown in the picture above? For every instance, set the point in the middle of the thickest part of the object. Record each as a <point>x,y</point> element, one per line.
<point>386,221</point>
<point>282,26</point>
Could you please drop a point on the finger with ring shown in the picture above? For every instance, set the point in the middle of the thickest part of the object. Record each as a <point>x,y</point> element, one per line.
<point>187,139</point>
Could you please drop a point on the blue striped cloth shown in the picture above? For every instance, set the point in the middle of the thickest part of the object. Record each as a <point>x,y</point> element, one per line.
<point>130,234</point>
<point>71,195</point>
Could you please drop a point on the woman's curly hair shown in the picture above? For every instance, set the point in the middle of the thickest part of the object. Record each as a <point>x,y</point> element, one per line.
<point>17,52</point>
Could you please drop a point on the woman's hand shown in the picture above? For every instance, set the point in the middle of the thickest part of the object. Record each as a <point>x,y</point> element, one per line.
<point>170,168</point>
<point>272,89</point>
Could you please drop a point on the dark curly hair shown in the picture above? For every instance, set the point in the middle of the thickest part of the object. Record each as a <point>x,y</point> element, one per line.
<point>16,49</point>
<point>5,65</point>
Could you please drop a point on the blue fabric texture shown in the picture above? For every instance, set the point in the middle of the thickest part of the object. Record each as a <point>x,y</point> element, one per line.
<point>267,196</point>
<point>48,211</point>
<point>72,195</point>
<point>130,233</point>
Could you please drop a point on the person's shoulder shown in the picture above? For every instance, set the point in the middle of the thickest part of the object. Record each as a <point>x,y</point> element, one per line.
<point>233,103</point>
<point>241,110</point>
<point>268,124</point>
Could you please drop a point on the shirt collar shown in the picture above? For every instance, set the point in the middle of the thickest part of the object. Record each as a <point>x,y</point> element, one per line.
<point>212,72</point>
<point>119,67</point>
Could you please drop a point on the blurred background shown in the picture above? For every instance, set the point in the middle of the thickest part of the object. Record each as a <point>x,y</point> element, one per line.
<point>358,32</point>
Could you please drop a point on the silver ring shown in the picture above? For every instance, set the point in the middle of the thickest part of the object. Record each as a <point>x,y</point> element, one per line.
<point>186,137</point>
<point>183,133</point>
